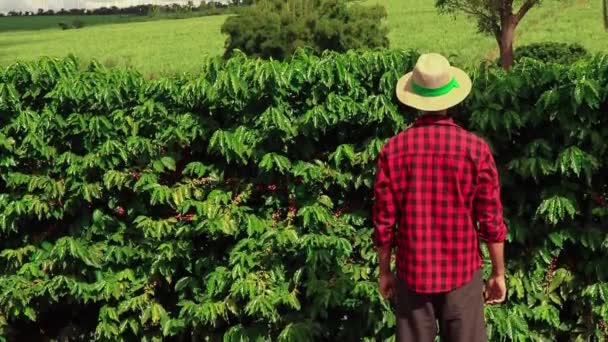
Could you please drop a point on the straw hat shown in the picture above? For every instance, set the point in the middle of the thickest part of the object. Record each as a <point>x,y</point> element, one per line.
<point>433,84</point>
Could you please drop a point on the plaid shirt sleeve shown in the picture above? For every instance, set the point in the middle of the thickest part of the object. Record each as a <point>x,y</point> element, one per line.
<point>384,209</point>
<point>488,211</point>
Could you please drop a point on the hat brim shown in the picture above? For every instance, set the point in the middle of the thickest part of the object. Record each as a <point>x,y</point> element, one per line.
<point>407,96</point>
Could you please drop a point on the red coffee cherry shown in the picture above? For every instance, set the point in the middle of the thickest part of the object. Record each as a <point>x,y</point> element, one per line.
<point>120,211</point>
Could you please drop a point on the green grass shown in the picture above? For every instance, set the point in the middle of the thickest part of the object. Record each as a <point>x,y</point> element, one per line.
<point>153,47</point>
<point>167,46</point>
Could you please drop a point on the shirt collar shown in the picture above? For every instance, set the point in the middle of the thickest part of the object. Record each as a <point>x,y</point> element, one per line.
<point>434,120</point>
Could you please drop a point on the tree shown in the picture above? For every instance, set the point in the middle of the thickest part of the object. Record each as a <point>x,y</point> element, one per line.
<point>276,28</point>
<point>495,17</point>
<point>242,2</point>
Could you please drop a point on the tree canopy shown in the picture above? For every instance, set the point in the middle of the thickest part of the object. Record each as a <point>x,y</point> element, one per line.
<point>276,28</point>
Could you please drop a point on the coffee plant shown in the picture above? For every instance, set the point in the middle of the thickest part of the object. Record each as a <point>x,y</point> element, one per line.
<point>235,204</point>
<point>551,52</point>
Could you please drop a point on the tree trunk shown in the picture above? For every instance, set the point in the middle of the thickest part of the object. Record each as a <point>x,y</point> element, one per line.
<point>506,31</point>
<point>505,44</point>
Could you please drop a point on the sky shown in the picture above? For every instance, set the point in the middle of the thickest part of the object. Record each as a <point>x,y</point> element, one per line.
<point>33,5</point>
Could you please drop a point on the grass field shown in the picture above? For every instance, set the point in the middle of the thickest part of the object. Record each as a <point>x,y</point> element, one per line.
<point>51,22</point>
<point>167,46</point>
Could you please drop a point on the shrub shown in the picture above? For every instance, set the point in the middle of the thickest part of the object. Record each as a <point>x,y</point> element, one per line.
<point>77,24</point>
<point>64,26</point>
<point>235,205</point>
<point>276,28</point>
<point>551,52</point>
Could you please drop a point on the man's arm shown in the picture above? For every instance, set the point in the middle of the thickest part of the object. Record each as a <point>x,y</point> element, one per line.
<point>384,259</point>
<point>488,211</point>
<point>496,250</point>
<point>384,219</point>
<point>384,214</point>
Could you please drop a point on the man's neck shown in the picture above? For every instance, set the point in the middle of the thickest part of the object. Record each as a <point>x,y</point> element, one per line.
<point>434,113</point>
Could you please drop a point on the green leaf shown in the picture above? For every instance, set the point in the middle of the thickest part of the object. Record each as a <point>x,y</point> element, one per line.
<point>273,161</point>
<point>574,159</point>
<point>326,201</point>
<point>343,152</point>
<point>314,214</point>
<point>134,326</point>
<point>180,193</point>
<point>556,209</point>
<point>183,283</point>
<point>558,278</point>
<point>30,313</point>
<point>196,169</point>
<point>157,312</point>
<point>255,225</point>
<point>557,238</point>
<point>555,298</point>
<point>168,162</point>
<point>301,331</point>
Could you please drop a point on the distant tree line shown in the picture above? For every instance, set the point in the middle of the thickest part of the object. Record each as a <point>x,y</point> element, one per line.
<point>212,7</point>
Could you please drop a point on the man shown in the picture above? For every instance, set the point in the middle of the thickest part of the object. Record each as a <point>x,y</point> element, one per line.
<point>437,184</point>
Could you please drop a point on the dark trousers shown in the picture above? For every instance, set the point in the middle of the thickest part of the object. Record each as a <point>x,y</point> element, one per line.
<point>459,314</point>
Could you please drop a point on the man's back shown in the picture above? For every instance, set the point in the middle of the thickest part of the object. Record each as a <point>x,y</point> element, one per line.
<point>435,170</point>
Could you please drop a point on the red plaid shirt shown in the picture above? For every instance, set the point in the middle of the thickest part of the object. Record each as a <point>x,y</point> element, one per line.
<point>437,186</point>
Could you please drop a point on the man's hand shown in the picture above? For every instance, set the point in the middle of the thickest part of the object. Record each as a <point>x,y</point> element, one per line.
<point>496,289</point>
<point>387,285</point>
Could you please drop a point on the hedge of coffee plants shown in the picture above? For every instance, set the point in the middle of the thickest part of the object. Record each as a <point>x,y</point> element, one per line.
<point>551,52</point>
<point>234,205</point>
